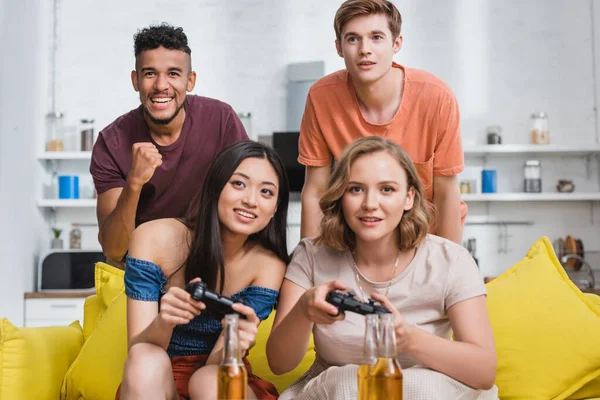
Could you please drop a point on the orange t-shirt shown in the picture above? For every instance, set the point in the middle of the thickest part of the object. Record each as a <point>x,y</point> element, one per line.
<point>426,125</point>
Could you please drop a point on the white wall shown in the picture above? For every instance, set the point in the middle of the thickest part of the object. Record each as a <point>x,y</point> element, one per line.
<point>22,70</point>
<point>504,59</point>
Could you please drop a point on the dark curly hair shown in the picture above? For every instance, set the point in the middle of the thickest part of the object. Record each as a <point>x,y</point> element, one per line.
<point>164,35</point>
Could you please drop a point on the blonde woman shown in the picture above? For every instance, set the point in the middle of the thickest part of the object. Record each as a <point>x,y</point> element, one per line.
<point>374,241</point>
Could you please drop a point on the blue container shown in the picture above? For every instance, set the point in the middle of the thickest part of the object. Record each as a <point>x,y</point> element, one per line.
<point>68,187</point>
<point>488,181</point>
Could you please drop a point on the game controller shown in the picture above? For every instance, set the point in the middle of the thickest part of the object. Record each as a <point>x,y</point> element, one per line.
<point>348,302</point>
<point>215,303</point>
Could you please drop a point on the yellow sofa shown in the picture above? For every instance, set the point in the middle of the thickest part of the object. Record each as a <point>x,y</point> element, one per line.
<point>547,336</point>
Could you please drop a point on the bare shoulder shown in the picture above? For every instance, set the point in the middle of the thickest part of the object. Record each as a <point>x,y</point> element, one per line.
<point>270,269</point>
<point>164,242</point>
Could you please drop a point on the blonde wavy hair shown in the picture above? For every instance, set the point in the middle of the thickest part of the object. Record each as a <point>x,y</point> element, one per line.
<point>335,232</point>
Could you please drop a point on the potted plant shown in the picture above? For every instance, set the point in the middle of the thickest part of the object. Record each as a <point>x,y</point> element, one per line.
<point>57,242</point>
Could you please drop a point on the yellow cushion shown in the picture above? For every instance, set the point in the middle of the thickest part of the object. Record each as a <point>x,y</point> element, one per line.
<point>98,370</point>
<point>93,308</point>
<point>109,282</point>
<point>33,361</point>
<point>546,331</point>
<point>588,391</point>
<point>591,389</point>
<point>260,365</point>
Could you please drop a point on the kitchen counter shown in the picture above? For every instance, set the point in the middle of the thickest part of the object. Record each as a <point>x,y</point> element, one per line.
<point>59,295</point>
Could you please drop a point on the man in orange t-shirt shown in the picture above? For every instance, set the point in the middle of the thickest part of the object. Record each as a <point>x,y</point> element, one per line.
<point>375,96</point>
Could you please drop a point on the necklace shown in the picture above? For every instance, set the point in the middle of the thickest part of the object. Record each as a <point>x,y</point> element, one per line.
<point>357,277</point>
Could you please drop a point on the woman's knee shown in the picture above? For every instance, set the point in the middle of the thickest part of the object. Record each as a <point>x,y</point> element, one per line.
<point>146,364</point>
<point>203,383</point>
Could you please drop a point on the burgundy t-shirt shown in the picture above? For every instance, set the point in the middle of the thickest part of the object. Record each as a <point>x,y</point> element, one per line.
<point>209,126</point>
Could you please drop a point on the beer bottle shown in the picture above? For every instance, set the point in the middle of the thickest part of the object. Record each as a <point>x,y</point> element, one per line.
<point>370,355</point>
<point>385,379</point>
<point>232,376</point>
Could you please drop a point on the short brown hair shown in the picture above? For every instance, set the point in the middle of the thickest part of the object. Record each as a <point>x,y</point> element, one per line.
<point>335,232</point>
<point>354,8</point>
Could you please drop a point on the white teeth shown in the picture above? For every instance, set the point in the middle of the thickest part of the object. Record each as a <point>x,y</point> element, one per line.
<point>162,100</point>
<point>245,214</point>
<point>370,219</point>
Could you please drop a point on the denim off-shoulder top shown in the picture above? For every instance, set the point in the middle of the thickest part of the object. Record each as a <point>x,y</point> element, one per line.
<point>145,281</point>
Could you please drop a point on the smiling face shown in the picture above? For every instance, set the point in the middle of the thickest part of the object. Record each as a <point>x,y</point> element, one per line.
<point>367,46</point>
<point>376,197</point>
<point>162,78</point>
<point>249,199</point>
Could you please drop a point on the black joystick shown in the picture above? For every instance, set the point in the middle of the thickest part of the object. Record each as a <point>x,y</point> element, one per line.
<point>215,303</point>
<point>348,302</point>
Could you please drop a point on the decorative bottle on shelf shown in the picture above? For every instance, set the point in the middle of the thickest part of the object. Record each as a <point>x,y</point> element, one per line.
<point>75,237</point>
<point>232,377</point>
<point>369,355</point>
<point>385,380</point>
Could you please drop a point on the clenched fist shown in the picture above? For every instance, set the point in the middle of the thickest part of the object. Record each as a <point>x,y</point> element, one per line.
<point>145,158</point>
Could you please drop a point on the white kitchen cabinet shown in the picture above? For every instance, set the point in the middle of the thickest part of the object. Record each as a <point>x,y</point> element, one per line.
<point>53,311</point>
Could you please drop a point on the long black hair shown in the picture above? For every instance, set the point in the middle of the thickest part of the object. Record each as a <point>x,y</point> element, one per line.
<point>206,253</point>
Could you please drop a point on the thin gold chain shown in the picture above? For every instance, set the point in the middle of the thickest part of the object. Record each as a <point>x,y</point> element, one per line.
<point>357,277</point>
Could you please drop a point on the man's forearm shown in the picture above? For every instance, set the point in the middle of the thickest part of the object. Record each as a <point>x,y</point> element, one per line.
<point>117,228</point>
<point>448,220</point>
<point>311,215</point>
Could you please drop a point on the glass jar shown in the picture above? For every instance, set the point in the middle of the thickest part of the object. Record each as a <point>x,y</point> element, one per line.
<point>539,128</point>
<point>465,187</point>
<point>246,118</point>
<point>86,127</point>
<point>75,237</point>
<point>532,176</point>
<point>54,131</point>
<point>494,134</point>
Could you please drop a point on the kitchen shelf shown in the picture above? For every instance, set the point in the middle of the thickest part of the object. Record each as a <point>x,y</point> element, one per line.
<point>551,149</point>
<point>581,196</point>
<point>67,203</point>
<point>65,155</point>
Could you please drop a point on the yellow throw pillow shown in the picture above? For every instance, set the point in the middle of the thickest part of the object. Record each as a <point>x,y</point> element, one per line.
<point>109,282</point>
<point>591,389</point>
<point>98,370</point>
<point>260,366</point>
<point>546,331</point>
<point>33,361</point>
<point>93,308</point>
